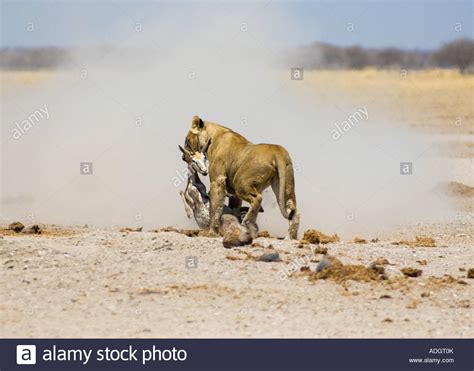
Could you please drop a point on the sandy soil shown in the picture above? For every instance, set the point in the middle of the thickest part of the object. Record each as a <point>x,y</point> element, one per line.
<point>107,283</point>
<point>86,282</point>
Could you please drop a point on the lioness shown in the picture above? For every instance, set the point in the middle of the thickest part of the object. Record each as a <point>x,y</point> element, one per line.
<point>244,169</point>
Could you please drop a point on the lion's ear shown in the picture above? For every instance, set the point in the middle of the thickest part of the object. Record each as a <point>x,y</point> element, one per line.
<point>197,123</point>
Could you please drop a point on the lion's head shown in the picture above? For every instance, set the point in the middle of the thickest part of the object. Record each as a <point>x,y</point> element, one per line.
<point>197,139</point>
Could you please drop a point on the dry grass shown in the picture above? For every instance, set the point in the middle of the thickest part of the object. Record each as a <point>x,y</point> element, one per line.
<point>426,99</point>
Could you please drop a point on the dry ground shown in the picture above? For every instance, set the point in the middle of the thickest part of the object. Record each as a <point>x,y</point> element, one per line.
<point>83,282</point>
<point>105,283</point>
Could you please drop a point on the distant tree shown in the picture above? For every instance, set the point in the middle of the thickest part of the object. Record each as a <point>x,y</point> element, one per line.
<point>459,53</point>
<point>357,57</point>
<point>389,57</point>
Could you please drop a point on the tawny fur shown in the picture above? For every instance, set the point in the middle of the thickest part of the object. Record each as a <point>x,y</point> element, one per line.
<point>244,169</point>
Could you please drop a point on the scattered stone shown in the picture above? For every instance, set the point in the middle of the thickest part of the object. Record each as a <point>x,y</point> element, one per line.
<point>425,294</point>
<point>470,273</point>
<point>305,269</point>
<point>374,240</point>
<point>315,237</point>
<point>359,240</point>
<point>269,257</point>
<point>422,262</point>
<point>388,320</point>
<point>461,269</point>
<point>411,272</point>
<point>16,227</point>
<point>385,296</point>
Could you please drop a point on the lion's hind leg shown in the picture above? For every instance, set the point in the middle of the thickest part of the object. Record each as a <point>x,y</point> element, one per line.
<point>294,225</point>
<point>288,210</point>
<point>254,198</point>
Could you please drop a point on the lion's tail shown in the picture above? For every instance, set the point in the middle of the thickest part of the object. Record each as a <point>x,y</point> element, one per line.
<point>287,198</point>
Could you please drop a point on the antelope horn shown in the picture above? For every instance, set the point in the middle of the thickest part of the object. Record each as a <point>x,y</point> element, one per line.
<point>185,151</point>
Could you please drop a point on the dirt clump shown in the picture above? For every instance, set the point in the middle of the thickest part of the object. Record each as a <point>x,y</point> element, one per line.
<point>381,261</point>
<point>412,305</point>
<point>420,241</point>
<point>129,229</point>
<point>333,269</point>
<point>315,237</point>
<point>17,227</point>
<point>378,265</point>
<point>445,280</point>
<point>34,229</point>
<point>186,232</point>
<point>320,250</point>
<point>264,234</point>
<point>359,240</point>
<point>457,189</point>
<point>38,231</point>
<point>411,272</point>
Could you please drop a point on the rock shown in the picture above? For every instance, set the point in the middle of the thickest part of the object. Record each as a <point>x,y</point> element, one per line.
<point>16,226</point>
<point>234,234</point>
<point>359,240</point>
<point>470,273</point>
<point>269,257</point>
<point>411,272</point>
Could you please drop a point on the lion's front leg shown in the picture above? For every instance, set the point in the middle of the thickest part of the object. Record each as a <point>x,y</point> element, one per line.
<point>217,198</point>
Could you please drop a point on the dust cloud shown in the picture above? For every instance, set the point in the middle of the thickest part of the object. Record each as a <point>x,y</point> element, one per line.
<point>125,108</point>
